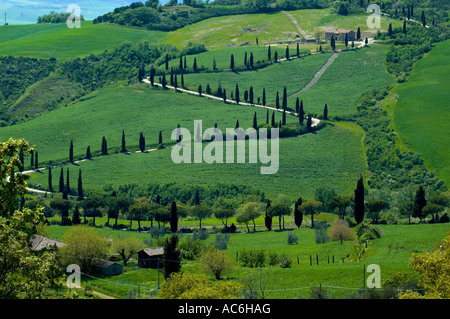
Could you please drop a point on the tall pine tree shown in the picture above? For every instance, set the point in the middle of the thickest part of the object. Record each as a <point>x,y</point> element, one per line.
<point>71,152</point>
<point>80,186</point>
<point>124,146</point>
<point>358,212</point>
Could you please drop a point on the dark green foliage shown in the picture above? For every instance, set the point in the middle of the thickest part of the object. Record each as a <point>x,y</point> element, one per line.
<point>67,181</point>
<point>309,123</point>
<point>250,95</point>
<point>173,217</point>
<point>71,152</point>
<point>50,181</point>
<point>255,122</point>
<point>123,148</point>
<point>61,181</point>
<point>320,232</point>
<point>269,54</point>
<point>172,261</point>
<point>301,113</point>
<point>358,33</point>
<point>88,153</point>
<point>36,160</point>
<point>333,43</point>
<point>55,17</point>
<point>232,62</point>
<point>104,146</point>
<point>221,241</point>
<point>292,239</point>
<point>80,186</point>
<point>236,94</point>
<point>194,66</point>
<point>359,201</point>
<point>277,101</point>
<point>200,91</point>
<point>160,140</point>
<point>284,101</point>
<point>253,258</point>
<point>298,215</point>
<point>419,203</point>
<point>325,112</point>
<point>264,97</point>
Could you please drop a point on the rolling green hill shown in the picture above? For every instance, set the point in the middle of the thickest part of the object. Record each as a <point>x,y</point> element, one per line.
<point>58,41</point>
<point>422,116</point>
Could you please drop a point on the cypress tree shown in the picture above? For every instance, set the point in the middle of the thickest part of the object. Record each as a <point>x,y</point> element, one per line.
<point>195,65</point>
<point>173,217</point>
<point>184,62</point>
<point>219,90</point>
<point>264,97</point>
<point>333,43</point>
<point>419,203</point>
<point>236,93</point>
<point>287,52</point>
<point>167,61</point>
<point>269,54</point>
<point>61,181</point>
<point>298,50</point>
<point>237,124</point>
<point>141,142</point>
<point>50,182</point>
<point>245,58</point>
<point>424,21</point>
<point>232,62</point>
<point>273,119</point>
<point>178,133</point>
<point>171,76</point>
<point>390,30</point>
<point>80,186</point>
<point>71,152</point>
<point>346,40</point>
<point>404,27</point>
<point>297,106</point>
<point>67,181</point>
<point>200,90</point>
<point>325,112</point>
<point>208,89</point>
<point>298,215</point>
<point>284,117</point>
<point>88,153</point>
<point>214,64</point>
<point>175,82</point>
<point>171,256</point>
<point>409,14</point>
<point>182,80</point>
<point>65,194</point>
<point>284,98</point>
<point>196,199</point>
<point>104,146</point>
<point>251,60</point>
<point>412,9</point>
<point>309,123</point>
<point>160,141</point>
<point>224,96</point>
<point>36,161</point>
<point>367,41</point>
<point>245,95</point>
<point>164,81</point>
<point>255,122</point>
<point>152,75</point>
<point>181,63</point>
<point>275,56</point>
<point>359,201</point>
<point>301,113</point>
<point>267,117</point>
<point>277,101</point>
<point>250,95</point>
<point>268,219</point>
<point>124,147</point>
<point>358,33</point>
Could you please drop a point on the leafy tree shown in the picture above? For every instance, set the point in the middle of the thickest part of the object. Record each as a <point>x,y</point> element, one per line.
<point>224,209</point>
<point>433,210</point>
<point>63,206</point>
<point>249,212</point>
<point>91,207</point>
<point>139,211</point>
<point>127,247</point>
<point>323,195</point>
<point>83,247</point>
<point>215,262</point>
<point>171,257</point>
<point>358,212</point>
<point>280,207</point>
<point>201,212</point>
<point>340,203</point>
<point>374,207</point>
<point>311,207</point>
<point>340,230</point>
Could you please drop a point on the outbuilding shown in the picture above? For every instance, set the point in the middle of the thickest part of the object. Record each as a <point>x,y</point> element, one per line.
<point>151,257</point>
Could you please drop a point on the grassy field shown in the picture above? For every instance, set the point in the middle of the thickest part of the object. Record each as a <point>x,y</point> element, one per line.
<point>422,116</point>
<point>134,109</point>
<point>58,41</point>
<point>391,252</point>
<point>352,74</point>
<point>333,156</point>
<point>294,74</point>
<point>273,27</point>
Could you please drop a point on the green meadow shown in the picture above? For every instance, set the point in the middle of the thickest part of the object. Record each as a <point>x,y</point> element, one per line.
<point>58,41</point>
<point>421,114</point>
<point>391,252</point>
<point>352,74</point>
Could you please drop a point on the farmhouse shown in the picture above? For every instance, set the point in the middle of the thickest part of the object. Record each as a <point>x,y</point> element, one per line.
<point>39,243</point>
<point>308,40</point>
<point>339,35</point>
<point>148,257</point>
<point>107,267</point>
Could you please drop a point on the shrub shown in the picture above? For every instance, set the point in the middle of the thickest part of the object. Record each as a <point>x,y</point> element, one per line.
<point>292,239</point>
<point>365,231</point>
<point>444,218</point>
<point>157,232</point>
<point>191,248</point>
<point>320,231</point>
<point>201,234</point>
<point>285,261</point>
<point>252,258</point>
<point>232,228</point>
<point>222,241</point>
<point>273,258</point>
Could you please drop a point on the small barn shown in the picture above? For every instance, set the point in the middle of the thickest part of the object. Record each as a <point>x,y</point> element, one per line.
<point>148,257</point>
<point>39,243</point>
<point>107,267</point>
<point>308,40</point>
<point>339,35</point>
